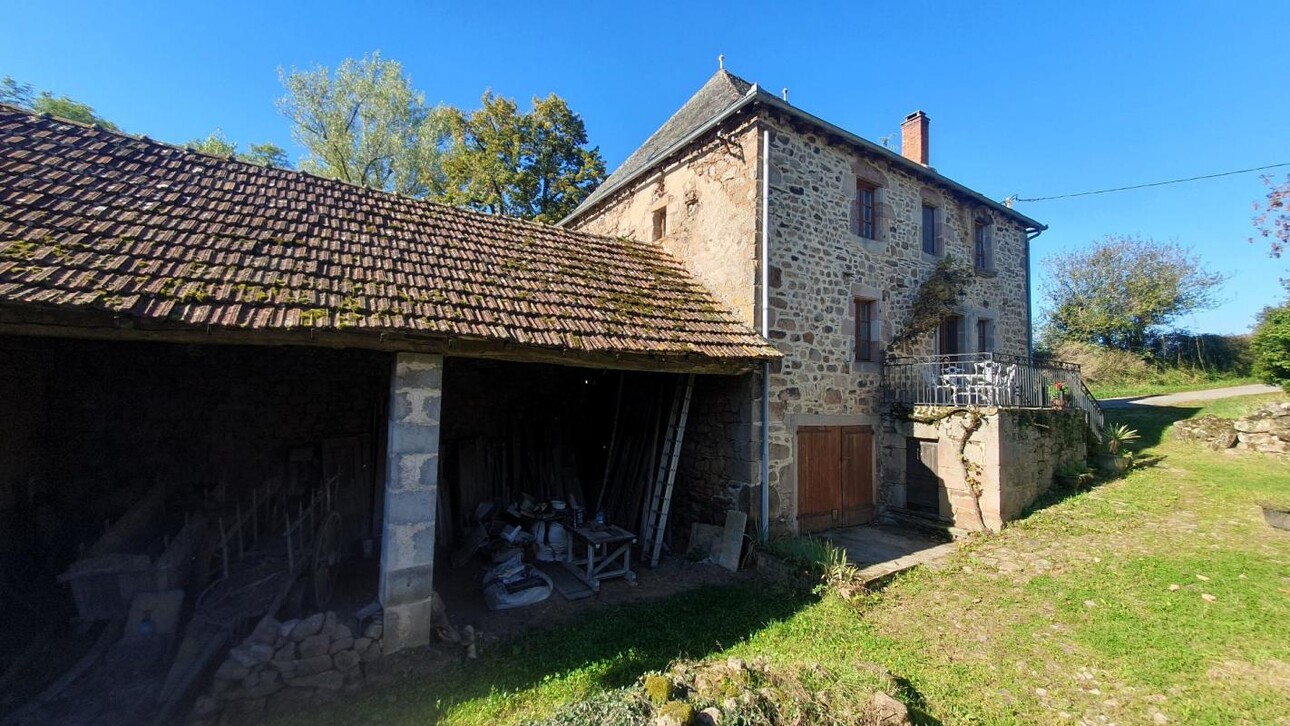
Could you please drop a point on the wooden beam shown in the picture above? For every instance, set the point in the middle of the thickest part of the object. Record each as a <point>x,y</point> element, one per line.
<point>103,326</point>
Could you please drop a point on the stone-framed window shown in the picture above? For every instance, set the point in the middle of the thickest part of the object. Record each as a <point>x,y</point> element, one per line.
<point>869,213</point>
<point>864,218</point>
<point>951,336</point>
<point>868,344</point>
<point>929,229</point>
<point>985,335</point>
<point>983,244</point>
<point>932,227</point>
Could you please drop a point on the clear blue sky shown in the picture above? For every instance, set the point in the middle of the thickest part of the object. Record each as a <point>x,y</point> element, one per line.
<point>1024,99</point>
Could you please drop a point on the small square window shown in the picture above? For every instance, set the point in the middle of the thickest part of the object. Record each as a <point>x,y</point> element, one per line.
<point>865,220</point>
<point>866,330</point>
<point>660,224</point>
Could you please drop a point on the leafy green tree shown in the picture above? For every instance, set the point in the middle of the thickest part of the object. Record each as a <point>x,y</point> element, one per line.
<point>1122,290</point>
<point>216,144</point>
<point>364,124</point>
<point>23,96</point>
<point>533,165</point>
<point>1271,346</point>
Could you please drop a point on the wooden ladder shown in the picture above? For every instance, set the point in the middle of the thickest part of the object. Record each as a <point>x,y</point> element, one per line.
<point>659,503</point>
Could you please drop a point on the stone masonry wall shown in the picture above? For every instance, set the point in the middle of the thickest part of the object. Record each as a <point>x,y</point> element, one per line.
<point>818,267</point>
<point>710,195</point>
<point>719,467</point>
<point>1010,453</point>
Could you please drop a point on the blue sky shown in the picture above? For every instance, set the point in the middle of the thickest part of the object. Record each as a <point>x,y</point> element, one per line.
<point>1024,99</point>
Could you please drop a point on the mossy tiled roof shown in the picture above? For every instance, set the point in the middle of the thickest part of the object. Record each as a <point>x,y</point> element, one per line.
<point>96,220</point>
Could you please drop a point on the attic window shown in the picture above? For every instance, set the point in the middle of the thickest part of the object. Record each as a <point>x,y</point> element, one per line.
<point>660,224</point>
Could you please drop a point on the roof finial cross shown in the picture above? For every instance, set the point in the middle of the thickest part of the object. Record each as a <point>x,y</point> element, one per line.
<point>721,62</point>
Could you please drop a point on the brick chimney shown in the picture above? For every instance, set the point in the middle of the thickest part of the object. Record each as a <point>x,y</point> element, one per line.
<point>913,137</point>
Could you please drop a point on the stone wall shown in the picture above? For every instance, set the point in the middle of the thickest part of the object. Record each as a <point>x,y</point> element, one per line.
<point>819,267</point>
<point>1266,430</point>
<point>719,467</point>
<point>710,196</point>
<point>1009,455</point>
<point>283,667</point>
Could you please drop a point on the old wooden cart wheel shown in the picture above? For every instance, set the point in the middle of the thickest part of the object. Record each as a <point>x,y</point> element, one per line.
<point>326,559</point>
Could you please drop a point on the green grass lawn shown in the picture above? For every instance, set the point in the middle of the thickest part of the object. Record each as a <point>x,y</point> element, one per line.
<point>1167,381</point>
<point>1161,597</point>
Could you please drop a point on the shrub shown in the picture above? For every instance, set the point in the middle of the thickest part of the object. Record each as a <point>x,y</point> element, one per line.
<point>1271,345</point>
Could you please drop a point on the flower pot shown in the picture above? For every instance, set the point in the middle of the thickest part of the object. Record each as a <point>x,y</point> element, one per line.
<point>1112,463</point>
<point>1068,481</point>
<point>1276,516</point>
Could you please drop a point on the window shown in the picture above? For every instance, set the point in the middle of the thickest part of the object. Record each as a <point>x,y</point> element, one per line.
<point>865,221</point>
<point>660,224</point>
<point>984,335</point>
<point>949,338</point>
<point>929,229</point>
<point>866,330</point>
<point>982,255</point>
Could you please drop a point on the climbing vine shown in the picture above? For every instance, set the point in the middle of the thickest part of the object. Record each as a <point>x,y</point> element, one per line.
<point>936,301</point>
<point>972,470</point>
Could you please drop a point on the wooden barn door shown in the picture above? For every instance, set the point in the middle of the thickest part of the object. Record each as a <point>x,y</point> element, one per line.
<point>857,475</point>
<point>834,477</point>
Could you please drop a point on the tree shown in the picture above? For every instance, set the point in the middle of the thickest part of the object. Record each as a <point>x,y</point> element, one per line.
<point>364,124</point>
<point>1123,289</point>
<point>1271,346</point>
<point>23,96</point>
<point>532,165</point>
<point>263,154</point>
<point>1273,219</point>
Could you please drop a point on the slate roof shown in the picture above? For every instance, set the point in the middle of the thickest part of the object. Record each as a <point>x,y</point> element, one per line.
<point>721,97</point>
<point>100,221</point>
<point>722,91</point>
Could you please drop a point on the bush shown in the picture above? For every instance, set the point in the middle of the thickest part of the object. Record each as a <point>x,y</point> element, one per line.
<point>1271,346</point>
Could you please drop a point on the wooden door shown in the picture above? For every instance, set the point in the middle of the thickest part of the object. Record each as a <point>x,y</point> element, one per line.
<point>834,477</point>
<point>922,482</point>
<point>857,475</point>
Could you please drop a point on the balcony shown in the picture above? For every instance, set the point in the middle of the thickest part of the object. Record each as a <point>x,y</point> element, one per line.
<point>988,380</point>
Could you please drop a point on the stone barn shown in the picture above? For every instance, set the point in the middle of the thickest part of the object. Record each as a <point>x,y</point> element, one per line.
<point>212,358</point>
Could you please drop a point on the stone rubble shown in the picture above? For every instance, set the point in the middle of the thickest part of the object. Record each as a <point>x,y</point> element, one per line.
<point>1266,430</point>
<point>284,666</point>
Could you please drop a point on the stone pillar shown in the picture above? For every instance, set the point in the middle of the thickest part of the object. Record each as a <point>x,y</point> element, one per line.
<point>411,498</point>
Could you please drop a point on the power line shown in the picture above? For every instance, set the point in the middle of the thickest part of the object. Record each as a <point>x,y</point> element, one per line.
<point>1152,184</point>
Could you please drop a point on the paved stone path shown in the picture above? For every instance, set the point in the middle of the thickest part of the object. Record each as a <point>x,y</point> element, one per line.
<point>1174,399</point>
<point>883,551</point>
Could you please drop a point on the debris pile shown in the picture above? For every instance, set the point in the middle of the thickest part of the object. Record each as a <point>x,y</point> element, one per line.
<point>283,666</point>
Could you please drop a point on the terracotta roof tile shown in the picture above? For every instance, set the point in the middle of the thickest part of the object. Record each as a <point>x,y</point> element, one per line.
<point>98,220</point>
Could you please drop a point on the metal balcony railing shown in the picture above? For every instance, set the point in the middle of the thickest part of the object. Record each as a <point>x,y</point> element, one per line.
<point>988,379</point>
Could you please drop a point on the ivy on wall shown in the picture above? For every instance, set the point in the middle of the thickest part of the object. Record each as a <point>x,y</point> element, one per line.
<point>937,299</point>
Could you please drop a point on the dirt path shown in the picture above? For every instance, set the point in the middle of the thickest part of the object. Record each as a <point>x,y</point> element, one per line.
<point>1174,399</point>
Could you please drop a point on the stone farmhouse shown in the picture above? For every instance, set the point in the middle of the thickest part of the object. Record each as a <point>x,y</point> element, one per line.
<point>235,392</point>
<point>820,240</point>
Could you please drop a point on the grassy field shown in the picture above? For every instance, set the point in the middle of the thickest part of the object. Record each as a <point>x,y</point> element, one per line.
<point>1161,597</point>
<point>1158,383</point>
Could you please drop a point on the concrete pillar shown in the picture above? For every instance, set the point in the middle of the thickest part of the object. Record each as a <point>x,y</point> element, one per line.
<point>411,498</point>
